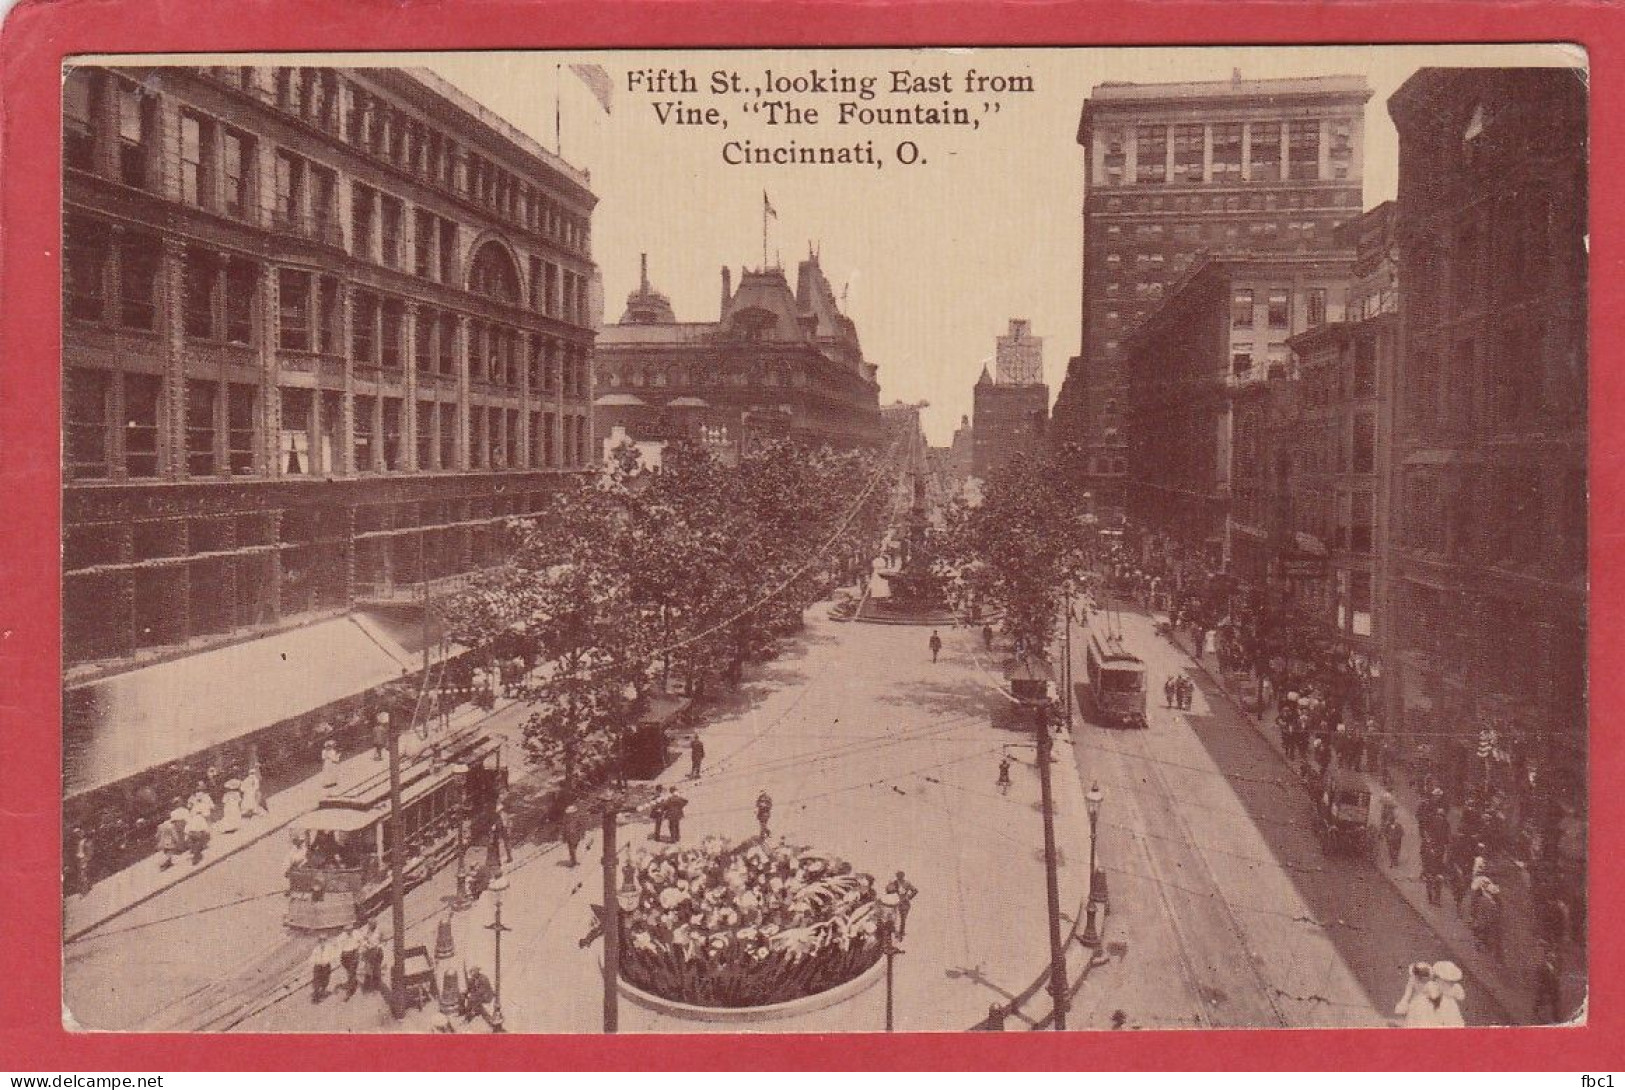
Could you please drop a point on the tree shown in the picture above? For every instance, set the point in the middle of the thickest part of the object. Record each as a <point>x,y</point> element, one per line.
<point>1018,549</point>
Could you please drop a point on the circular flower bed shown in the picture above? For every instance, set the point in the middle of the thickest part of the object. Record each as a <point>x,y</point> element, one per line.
<point>747,925</point>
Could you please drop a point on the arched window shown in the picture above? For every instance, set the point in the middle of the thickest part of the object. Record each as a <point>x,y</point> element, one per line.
<point>492,273</point>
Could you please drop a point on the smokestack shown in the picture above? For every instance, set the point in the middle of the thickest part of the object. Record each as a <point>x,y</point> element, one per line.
<point>645,282</point>
<point>727,288</point>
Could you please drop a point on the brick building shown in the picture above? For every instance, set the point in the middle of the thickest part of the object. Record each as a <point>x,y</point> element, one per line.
<point>1309,494</point>
<point>1197,367</point>
<point>324,330</point>
<point>1173,172</point>
<point>1010,413</point>
<point>1488,580</point>
<point>776,364</point>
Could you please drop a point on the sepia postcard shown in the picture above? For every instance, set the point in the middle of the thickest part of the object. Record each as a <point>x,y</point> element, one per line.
<point>824,540</point>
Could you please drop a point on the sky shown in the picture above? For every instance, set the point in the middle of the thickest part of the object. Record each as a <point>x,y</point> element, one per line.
<point>934,258</point>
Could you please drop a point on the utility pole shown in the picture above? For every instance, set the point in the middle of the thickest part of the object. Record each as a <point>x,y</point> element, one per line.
<point>1057,953</point>
<point>612,927</point>
<point>397,884</point>
<point>1066,668</point>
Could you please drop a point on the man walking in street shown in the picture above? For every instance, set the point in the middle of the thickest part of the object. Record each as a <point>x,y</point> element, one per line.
<point>500,843</point>
<point>696,757</point>
<point>372,957</point>
<point>905,892</point>
<point>674,814</point>
<point>936,645</point>
<point>764,812</point>
<point>1168,688</point>
<point>571,832</point>
<point>321,970</point>
<point>657,811</point>
<point>1003,783</point>
<point>350,960</point>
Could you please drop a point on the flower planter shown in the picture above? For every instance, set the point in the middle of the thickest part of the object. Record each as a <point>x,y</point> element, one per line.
<point>692,1012</point>
<point>747,931</point>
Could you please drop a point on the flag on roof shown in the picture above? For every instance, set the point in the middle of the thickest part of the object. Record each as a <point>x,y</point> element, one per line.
<point>597,81</point>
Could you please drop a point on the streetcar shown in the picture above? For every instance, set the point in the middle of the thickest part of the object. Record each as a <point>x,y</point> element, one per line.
<point>1116,682</point>
<point>449,796</point>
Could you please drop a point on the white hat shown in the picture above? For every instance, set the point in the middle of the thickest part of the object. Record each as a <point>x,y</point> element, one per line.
<point>1447,971</point>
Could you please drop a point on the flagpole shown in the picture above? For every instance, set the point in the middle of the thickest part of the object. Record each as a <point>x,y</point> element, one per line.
<point>764,230</point>
<point>558,110</point>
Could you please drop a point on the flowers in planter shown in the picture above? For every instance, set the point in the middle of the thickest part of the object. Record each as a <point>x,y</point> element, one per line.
<point>745,925</point>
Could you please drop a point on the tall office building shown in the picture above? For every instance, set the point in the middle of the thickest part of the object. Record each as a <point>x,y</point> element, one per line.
<point>1174,171</point>
<point>1010,412</point>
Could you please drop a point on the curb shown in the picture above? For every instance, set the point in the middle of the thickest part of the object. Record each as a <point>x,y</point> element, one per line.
<point>1492,981</point>
<point>807,1004</point>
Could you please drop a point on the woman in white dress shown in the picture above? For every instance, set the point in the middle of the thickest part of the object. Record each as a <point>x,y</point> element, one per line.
<point>253,800</point>
<point>231,808</point>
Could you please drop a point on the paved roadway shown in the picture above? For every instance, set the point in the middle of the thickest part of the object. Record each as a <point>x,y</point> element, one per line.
<point>1229,912</point>
<point>1223,912</point>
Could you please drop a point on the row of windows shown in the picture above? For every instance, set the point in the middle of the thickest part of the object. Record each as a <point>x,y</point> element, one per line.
<point>220,292</point>
<point>375,126</point>
<point>1277,308</point>
<point>1512,515</point>
<point>115,419</point>
<point>1193,154</point>
<point>634,376</point>
<point>1506,381</point>
<point>217,171</point>
<point>1342,197</point>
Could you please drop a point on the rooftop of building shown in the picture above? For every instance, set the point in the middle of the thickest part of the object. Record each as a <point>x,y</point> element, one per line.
<point>492,120</point>
<point>1235,87</point>
<point>1211,269</point>
<point>762,307</point>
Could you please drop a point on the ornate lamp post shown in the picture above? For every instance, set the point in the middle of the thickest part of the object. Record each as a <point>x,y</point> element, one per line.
<point>890,915</point>
<point>1097,885</point>
<point>498,886</point>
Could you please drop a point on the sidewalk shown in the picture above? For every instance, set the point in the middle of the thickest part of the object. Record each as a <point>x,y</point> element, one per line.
<point>1509,979</point>
<point>135,885</point>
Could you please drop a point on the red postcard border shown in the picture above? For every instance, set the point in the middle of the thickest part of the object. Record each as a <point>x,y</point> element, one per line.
<point>38,34</point>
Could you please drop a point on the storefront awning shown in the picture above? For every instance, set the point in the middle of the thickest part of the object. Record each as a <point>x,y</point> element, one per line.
<point>124,724</point>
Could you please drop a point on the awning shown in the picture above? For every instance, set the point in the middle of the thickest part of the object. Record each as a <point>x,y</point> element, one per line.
<point>130,722</point>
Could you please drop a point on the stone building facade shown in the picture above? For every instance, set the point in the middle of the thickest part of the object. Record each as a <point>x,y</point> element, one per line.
<point>776,364</point>
<point>1195,367</point>
<point>1174,172</point>
<point>1010,412</point>
<point>1488,581</point>
<point>324,330</point>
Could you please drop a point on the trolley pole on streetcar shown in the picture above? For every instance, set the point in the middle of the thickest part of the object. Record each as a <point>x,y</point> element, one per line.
<point>397,885</point>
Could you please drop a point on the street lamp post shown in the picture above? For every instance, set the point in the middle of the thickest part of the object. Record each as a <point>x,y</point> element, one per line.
<point>612,926</point>
<point>498,886</point>
<point>1091,937</point>
<point>890,914</point>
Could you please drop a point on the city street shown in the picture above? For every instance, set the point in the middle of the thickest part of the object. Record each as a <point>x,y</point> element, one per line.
<point>1231,914</point>
<point>869,750</point>
<point>1223,911</point>
<point>210,950</point>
